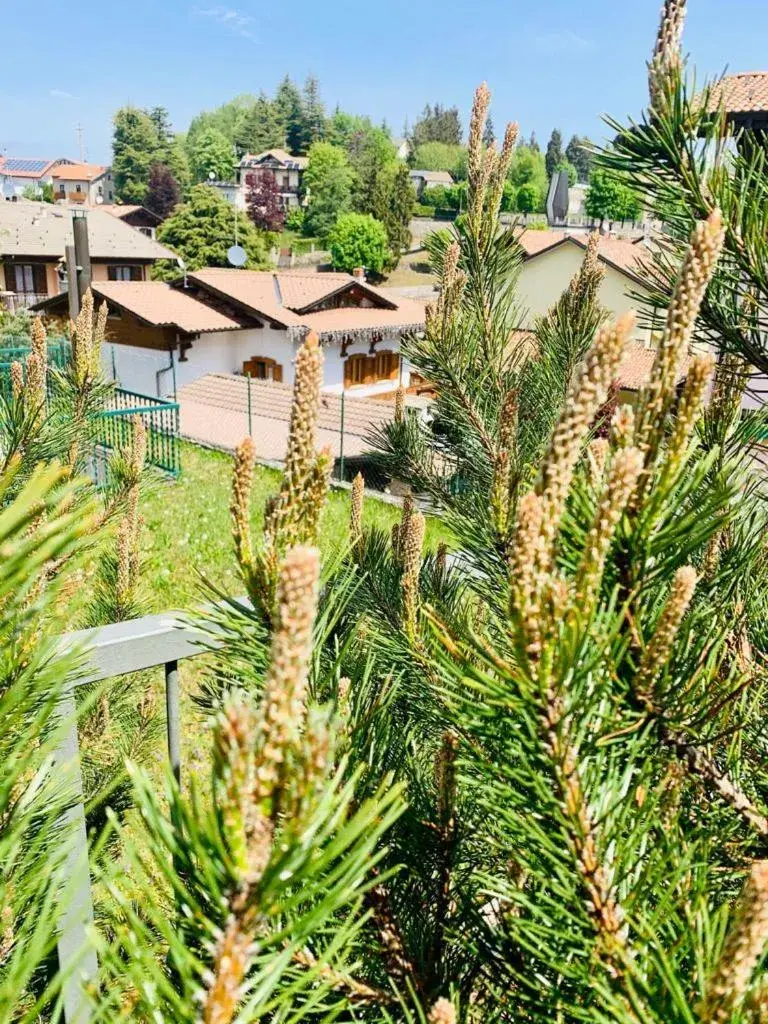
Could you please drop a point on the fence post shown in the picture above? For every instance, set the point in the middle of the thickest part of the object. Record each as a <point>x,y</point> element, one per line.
<point>250,418</point>
<point>77,961</point>
<point>173,716</point>
<point>341,443</point>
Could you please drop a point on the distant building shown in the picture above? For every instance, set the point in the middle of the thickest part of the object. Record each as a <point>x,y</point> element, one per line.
<point>83,184</point>
<point>288,171</point>
<point>425,180</point>
<point>402,148</point>
<point>138,217</point>
<point>18,173</point>
<point>552,258</point>
<point>33,239</point>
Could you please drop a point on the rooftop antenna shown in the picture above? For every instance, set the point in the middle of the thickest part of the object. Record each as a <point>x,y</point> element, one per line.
<point>79,133</point>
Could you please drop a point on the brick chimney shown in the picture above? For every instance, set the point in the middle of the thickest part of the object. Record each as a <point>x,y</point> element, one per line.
<point>359,272</point>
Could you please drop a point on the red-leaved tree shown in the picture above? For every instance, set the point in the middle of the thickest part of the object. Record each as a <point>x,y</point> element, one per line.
<point>163,193</point>
<point>263,201</point>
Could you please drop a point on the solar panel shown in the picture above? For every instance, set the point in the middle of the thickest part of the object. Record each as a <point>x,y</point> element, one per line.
<point>11,164</point>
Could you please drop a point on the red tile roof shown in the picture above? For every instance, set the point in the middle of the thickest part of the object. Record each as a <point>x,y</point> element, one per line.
<point>616,252</point>
<point>746,92</point>
<point>79,172</point>
<point>635,369</point>
<point>214,410</point>
<point>158,304</point>
<point>283,297</point>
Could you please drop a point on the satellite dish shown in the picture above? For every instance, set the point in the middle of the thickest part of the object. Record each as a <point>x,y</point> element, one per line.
<point>237,256</point>
<point>99,200</point>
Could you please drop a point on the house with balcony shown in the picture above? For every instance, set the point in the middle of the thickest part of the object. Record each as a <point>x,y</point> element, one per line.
<point>33,241</point>
<point>288,171</point>
<point>19,173</point>
<point>83,184</point>
<point>243,322</point>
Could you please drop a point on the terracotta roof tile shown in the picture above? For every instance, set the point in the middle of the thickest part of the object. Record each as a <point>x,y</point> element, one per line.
<point>214,409</point>
<point>257,290</point>
<point>618,252</point>
<point>284,157</point>
<point>635,369</point>
<point>742,93</point>
<point>79,172</point>
<point>409,315</point>
<point>160,304</point>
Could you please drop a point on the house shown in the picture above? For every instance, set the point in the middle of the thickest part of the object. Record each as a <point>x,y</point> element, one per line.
<point>424,180</point>
<point>83,184</point>
<point>33,239</point>
<point>288,171</point>
<point>402,148</point>
<point>253,322</point>
<point>744,98</point>
<point>138,217</point>
<point>551,259</point>
<point>18,173</point>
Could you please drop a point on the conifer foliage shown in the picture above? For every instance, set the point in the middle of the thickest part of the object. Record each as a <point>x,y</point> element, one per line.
<point>523,781</point>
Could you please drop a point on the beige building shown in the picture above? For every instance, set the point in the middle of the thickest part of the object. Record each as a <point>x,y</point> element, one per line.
<point>552,259</point>
<point>83,184</point>
<point>33,240</point>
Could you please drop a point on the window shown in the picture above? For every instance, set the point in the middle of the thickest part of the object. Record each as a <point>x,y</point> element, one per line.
<point>264,368</point>
<point>29,279</point>
<point>124,274</point>
<point>363,369</point>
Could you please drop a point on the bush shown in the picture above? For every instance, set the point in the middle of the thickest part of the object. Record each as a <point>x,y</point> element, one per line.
<point>294,218</point>
<point>420,210</point>
<point>437,196</point>
<point>359,240</point>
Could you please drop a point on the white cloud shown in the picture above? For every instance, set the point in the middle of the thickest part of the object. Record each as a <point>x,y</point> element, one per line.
<point>60,94</point>
<point>230,18</point>
<point>565,43</point>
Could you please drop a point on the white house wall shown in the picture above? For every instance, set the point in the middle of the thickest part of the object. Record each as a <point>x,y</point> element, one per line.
<point>225,352</point>
<point>544,278</point>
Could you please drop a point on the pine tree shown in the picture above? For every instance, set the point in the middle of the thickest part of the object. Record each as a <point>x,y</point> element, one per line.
<point>163,192</point>
<point>554,155</point>
<point>290,109</point>
<point>263,202</point>
<point>259,128</point>
<point>160,118</point>
<point>314,113</point>
<point>489,134</point>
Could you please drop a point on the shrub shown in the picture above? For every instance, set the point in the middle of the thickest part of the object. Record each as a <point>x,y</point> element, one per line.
<point>359,240</point>
<point>528,198</point>
<point>294,218</point>
<point>420,210</point>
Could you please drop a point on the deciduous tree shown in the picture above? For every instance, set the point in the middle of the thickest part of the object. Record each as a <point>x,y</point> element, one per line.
<point>163,192</point>
<point>359,240</point>
<point>211,154</point>
<point>328,180</point>
<point>263,201</point>
<point>437,124</point>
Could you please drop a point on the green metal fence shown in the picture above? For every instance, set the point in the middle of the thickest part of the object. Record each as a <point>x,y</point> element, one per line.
<point>16,348</point>
<point>161,419</point>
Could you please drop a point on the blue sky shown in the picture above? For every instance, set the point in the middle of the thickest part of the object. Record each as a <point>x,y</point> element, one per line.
<point>548,62</point>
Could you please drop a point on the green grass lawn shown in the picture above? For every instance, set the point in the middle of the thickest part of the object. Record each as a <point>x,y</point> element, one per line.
<point>187,527</point>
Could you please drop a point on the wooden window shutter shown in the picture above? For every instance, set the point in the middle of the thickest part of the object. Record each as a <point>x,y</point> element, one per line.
<point>277,373</point>
<point>39,278</point>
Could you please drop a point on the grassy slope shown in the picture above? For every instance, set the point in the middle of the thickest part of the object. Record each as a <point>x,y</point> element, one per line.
<point>187,527</point>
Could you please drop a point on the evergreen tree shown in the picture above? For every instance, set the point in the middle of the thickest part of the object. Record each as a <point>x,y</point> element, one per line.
<point>314,113</point>
<point>210,153</point>
<point>533,144</point>
<point>160,118</point>
<point>259,128</point>
<point>202,229</point>
<point>163,192</point>
<point>178,163</point>
<point>290,110</point>
<point>578,153</point>
<point>437,124</point>
<point>263,202</point>
<point>554,155</point>
<point>135,146</point>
